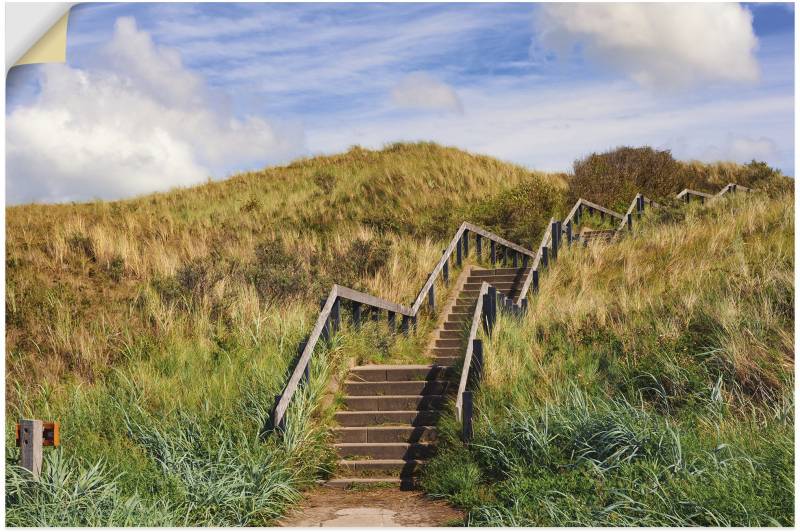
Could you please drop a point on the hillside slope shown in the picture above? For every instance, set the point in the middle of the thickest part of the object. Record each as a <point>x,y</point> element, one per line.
<point>650,383</point>
<point>158,330</point>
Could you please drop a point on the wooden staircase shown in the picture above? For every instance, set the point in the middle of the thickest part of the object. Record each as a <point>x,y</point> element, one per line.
<point>387,429</point>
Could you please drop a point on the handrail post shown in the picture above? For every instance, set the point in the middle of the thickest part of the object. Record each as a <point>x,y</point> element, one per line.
<point>630,222</point>
<point>487,313</point>
<point>524,261</point>
<point>431,299</point>
<point>578,214</point>
<point>535,281</point>
<point>554,236</point>
<point>466,416</point>
<point>524,305</point>
<point>544,256</point>
<point>493,252</point>
<point>477,356</point>
<point>404,324</point>
<point>335,314</point>
<point>391,320</point>
<point>569,233</point>
<point>492,293</point>
<point>458,252</point>
<point>466,243</point>
<point>478,245</point>
<point>375,313</point>
<point>325,329</point>
<point>514,258</point>
<point>356,315</point>
<point>446,271</point>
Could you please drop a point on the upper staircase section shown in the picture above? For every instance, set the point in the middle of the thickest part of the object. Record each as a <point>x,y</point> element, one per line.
<point>329,317</point>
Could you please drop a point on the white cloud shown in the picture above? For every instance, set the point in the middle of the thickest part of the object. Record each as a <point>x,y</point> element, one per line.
<point>741,149</point>
<point>657,45</point>
<point>421,91</point>
<point>140,124</point>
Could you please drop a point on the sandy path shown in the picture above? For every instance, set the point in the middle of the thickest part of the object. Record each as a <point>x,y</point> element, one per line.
<point>371,507</point>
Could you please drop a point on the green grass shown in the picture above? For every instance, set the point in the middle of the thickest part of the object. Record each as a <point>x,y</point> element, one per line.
<point>159,329</point>
<point>650,384</point>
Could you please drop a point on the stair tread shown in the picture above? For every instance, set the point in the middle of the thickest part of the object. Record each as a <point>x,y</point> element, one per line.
<point>393,366</point>
<point>386,444</point>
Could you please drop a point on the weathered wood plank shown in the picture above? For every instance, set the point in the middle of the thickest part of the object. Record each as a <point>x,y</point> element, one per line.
<point>299,369</point>
<point>600,208</point>
<point>372,301</point>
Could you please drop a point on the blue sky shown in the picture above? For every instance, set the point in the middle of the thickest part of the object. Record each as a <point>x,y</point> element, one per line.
<point>161,95</point>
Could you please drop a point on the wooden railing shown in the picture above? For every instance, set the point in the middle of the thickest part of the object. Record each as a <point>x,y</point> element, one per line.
<point>487,304</point>
<point>329,318</point>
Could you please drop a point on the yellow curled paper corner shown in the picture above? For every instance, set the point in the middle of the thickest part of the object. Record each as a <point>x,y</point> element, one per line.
<point>51,47</point>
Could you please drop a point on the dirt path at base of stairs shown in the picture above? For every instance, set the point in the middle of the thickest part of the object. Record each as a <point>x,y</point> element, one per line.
<point>371,507</point>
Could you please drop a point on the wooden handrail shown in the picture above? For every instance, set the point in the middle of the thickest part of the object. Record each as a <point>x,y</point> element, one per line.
<point>473,333</point>
<point>342,292</point>
<point>600,208</point>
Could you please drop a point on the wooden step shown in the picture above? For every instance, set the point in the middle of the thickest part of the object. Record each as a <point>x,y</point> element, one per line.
<point>385,451</point>
<point>449,351</point>
<point>393,403</point>
<point>380,373</point>
<point>347,418</point>
<point>401,434</point>
<point>419,387</point>
<point>455,326</point>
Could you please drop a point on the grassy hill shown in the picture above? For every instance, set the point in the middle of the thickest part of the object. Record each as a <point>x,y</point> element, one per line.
<point>159,329</point>
<point>650,384</point>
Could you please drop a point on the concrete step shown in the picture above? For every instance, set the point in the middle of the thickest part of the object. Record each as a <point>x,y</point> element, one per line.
<point>393,403</point>
<point>380,468</point>
<point>491,279</point>
<point>445,334</point>
<point>352,483</point>
<point>401,434</point>
<point>451,342</point>
<point>346,418</point>
<point>503,286</point>
<point>437,387</point>
<point>449,361</point>
<point>497,271</point>
<point>385,451</point>
<point>382,373</point>
<point>449,351</point>
<point>459,317</point>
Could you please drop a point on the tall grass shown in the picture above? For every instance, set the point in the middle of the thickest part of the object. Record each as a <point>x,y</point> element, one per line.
<point>676,350</point>
<point>158,330</point>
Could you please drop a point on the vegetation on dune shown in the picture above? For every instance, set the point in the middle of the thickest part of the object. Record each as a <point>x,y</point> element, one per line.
<point>158,330</point>
<point>650,382</point>
<point>613,178</point>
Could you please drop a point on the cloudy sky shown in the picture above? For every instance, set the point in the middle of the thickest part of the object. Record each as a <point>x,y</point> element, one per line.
<point>155,96</point>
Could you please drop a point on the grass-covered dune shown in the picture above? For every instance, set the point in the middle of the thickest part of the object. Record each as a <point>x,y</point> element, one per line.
<point>158,330</point>
<point>650,383</point>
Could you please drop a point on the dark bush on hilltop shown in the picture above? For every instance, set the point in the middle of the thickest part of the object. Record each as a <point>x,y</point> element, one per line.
<point>613,178</point>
